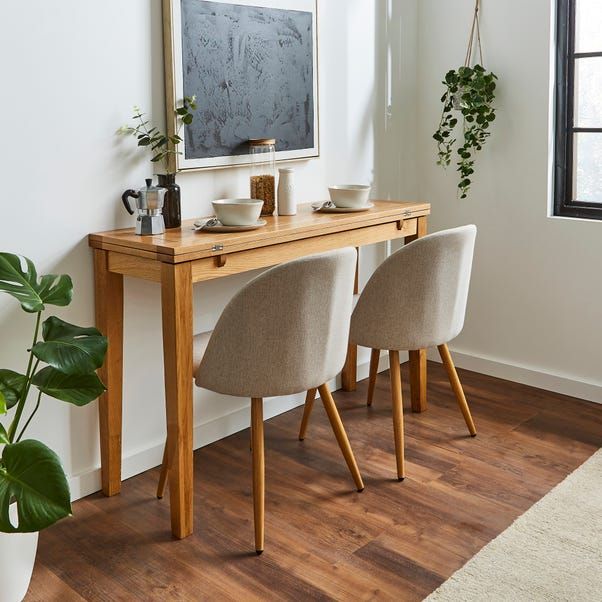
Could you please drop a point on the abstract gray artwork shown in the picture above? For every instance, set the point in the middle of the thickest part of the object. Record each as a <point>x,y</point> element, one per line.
<point>251,69</point>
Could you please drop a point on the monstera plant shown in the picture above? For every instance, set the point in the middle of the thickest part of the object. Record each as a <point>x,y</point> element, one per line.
<point>61,364</point>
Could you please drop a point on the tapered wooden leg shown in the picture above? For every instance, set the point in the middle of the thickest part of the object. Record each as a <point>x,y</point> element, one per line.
<point>109,320</point>
<point>341,435</point>
<point>258,471</point>
<point>395,374</point>
<point>374,358</point>
<point>418,357</point>
<point>163,475</point>
<point>457,387</point>
<point>309,404</point>
<point>176,300</point>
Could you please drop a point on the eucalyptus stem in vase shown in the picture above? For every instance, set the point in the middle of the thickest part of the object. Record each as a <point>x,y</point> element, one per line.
<point>163,148</point>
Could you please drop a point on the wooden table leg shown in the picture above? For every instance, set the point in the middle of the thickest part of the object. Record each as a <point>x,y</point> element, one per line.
<point>356,282</point>
<point>109,320</point>
<point>349,373</point>
<point>418,357</point>
<point>176,300</point>
<point>418,380</point>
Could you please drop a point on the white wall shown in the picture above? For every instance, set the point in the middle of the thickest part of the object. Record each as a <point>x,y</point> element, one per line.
<point>534,312</point>
<point>70,77</point>
<point>71,72</point>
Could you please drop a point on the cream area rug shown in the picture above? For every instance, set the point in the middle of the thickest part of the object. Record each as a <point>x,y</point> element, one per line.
<point>552,552</point>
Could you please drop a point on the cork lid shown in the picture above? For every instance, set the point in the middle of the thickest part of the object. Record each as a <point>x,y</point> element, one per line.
<point>262,141</point>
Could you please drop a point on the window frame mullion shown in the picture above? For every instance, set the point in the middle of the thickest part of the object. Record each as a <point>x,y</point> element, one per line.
<point>564,204</point>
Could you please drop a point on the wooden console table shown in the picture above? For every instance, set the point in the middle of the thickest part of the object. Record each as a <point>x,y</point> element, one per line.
<point>181,257</point>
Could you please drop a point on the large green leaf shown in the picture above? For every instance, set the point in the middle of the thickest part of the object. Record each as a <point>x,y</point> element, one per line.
<point>11,386</point>
<point>23,284</point>
<point>78,389</point>
<point>69,348</point>
<point>32,474</point>
<point>3,406</point>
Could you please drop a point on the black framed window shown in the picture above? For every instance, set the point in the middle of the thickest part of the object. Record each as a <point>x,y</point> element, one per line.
<point>578,152</point>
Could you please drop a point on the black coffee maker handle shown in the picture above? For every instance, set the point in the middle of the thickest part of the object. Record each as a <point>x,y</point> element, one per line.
<point>126,202</point>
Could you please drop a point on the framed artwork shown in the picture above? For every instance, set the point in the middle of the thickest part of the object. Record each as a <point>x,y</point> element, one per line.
<point>253,67</point>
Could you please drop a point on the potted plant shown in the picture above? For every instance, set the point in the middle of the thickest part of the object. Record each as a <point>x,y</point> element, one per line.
<point>469,94</point>
<point>163,147</point>
<point>61,363</point>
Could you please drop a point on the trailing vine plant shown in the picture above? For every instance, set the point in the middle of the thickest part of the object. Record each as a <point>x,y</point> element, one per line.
<point>469,95</point>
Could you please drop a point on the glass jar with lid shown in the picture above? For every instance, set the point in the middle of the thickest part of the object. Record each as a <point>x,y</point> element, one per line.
<point>263,172</point>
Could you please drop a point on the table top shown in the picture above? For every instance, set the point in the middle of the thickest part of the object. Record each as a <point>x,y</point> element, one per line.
<point>179,242</point>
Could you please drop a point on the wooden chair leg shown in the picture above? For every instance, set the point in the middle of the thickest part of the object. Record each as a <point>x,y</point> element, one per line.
<point>258,471</point>
<point>457,387</point>
<point>374,357</point>
<point>251,437</point>
<point>163,475</point>
<point>341,435</point>
<point>395,375</point>
<point>309,404</point>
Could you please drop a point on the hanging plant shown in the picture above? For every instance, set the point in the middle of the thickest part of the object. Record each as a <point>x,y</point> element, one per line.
<point>469,95</point>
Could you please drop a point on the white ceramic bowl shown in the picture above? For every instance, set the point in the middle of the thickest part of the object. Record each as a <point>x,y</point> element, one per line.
<point>349,195</point>
<point>237,212</point>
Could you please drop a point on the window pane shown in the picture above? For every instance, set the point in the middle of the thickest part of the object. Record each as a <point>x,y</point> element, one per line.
<point>588,37</point>
<point>588,168</point>
<point>588,92</point>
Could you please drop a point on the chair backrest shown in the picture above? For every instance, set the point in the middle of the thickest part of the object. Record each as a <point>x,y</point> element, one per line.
<point>417,297</point>
<point>286,331</point>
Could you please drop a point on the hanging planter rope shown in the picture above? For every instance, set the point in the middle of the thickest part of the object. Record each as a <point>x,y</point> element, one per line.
<point>470,93</point>
<point>475,31</point>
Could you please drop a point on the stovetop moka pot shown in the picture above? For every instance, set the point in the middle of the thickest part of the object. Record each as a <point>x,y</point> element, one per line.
<point>149,205</point>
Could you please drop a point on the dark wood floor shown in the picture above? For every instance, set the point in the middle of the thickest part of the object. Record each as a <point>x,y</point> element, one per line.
<point>394,541</point>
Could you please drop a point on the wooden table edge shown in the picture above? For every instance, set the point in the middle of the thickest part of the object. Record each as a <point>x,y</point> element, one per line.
<point>104,241</point>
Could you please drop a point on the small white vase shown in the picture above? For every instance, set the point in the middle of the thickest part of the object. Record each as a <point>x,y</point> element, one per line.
<point>17,557</point>
<point>287,204</point>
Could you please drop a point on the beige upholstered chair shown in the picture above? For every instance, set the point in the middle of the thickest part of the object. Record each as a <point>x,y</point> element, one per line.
<point>414,300</point>
<point>284,332</point>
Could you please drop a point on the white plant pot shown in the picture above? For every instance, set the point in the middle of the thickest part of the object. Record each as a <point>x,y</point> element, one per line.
<point>457,99</point>
<point>17,557</point>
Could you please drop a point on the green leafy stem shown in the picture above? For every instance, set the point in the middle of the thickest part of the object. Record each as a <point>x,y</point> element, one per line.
<point>471,92</point>
<point>149,136</point>
<point>73,354</point>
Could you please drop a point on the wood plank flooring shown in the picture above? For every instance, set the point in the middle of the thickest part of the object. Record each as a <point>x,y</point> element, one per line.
<point>394,541</point>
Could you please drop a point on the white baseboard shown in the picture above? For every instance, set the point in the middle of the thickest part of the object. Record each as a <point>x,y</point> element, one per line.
<point>88,482</point>
<point>590,391</point>
<point>205,433</point>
